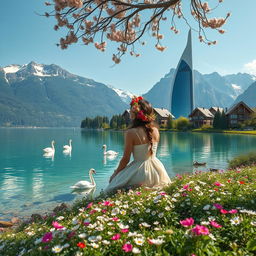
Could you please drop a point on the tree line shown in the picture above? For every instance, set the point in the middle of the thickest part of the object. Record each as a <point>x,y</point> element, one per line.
<point>116,122</point>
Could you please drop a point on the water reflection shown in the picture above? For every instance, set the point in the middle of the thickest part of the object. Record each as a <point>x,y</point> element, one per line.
<point>26,177</point>
<point>49,156</point>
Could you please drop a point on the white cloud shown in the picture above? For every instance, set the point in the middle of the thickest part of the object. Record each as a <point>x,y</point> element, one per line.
<point>250,67</point>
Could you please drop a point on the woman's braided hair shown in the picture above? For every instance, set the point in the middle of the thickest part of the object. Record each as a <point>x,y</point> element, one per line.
<point>144,117</point>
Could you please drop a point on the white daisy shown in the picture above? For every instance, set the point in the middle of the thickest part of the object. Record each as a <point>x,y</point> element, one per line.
<point>139,241</point>
<point>235,221</point>
<point>156,241</point>
<point>136,250</point>
<point>57,249</point>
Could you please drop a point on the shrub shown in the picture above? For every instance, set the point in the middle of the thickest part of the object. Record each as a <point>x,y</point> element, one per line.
<point>243,160</point>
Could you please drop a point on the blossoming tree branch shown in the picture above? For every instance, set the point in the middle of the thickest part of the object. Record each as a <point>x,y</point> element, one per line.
<point>127,21</point>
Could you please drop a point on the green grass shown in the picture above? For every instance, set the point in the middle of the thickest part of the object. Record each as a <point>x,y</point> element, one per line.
<point>147,222</point>
<point>224,131</point>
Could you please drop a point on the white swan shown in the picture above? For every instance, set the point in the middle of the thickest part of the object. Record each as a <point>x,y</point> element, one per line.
<point>50,151</point>
<point>109,152</point>
<point>83,184</point>
<point>67,148</point>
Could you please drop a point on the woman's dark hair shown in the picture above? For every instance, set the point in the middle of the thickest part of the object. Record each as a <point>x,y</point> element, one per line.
<point>148,110</point>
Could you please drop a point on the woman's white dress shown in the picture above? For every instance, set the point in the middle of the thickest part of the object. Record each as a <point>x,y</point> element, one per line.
<point>146,170</point>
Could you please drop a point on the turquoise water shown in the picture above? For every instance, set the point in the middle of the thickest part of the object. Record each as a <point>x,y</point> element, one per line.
<point>29,182</point>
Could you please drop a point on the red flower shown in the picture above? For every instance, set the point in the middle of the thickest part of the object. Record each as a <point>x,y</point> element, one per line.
<point>241,182</point>
<point>81,245</point>
<point>223,211</point>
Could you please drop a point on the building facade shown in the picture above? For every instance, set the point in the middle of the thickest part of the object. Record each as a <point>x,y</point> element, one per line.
<point>182,92</point>
<point>200,117</point>
<point>238,113</point>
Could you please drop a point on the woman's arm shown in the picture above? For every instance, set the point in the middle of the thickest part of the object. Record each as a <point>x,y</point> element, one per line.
<point>128,146</point>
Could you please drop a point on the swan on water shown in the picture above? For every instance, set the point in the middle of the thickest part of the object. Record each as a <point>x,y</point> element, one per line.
<point>50,150</point>
<point>84,184</point>
<point>67,148</point>
<point>109,152</point>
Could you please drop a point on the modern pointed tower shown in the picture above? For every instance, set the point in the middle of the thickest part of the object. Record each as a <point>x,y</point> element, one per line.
<point>182,93</point>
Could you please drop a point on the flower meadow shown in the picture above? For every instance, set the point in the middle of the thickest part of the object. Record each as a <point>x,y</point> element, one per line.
<point>205,213</point>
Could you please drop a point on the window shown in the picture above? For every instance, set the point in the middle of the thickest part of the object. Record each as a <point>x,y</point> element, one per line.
<point>233,116</point>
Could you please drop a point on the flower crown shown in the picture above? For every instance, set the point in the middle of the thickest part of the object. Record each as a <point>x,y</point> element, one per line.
<point>135,108</point>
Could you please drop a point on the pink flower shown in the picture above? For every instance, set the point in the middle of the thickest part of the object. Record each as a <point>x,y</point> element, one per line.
<point>200,230</point>
<point>106,203</point>
<point>86,223</point>
<point>116,237</point>
<point>104,210</point>
<point>218,206</point>
<point>47,237</point>
<point>89,205</point>
<point>232,211</point>
<point>215,224</point>
<point>163,193</point>
<point>217,184</point>
<point>187,222</point>
<point>138,193</point>
<point>125,230</point>
<point>186,186</point>
<point>115,219</point>
<point>92,211</point>
<point>57,225</point>
<point>223,211</point>
<point>127,247</point>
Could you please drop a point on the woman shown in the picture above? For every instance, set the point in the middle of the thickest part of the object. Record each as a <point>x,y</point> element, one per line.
<point>141,139</point>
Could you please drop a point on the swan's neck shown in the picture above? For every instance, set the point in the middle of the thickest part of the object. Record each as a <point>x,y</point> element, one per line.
<point>92,179</point>
<point>105,150</point>
<point>52,145</point>
<point>70,143</point>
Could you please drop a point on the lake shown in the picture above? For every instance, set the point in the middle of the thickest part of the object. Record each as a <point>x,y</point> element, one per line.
<point>30,182</point>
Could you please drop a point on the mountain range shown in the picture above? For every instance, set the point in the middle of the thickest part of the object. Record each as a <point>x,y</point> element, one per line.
<point>47,95</point>
<point>209,89</point>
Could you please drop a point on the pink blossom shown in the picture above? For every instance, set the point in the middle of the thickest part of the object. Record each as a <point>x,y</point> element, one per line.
<point>232,211</point>
<point>86,223</point>
<point>163,193</point>
<point>92,211</point>
<point>187,222</point>
<point>104,210</point>
<point>217,184</point>
<point>186,186</point>
<point>47,237</point>
<point>200,230</point>
<point>57,225</point>
<point>138,193</point>
<point>106,203</point>
<point>223,211</point>
<point>215,224</point>
<point>127,247</point>
<point>218,206</point>
<point>89,205</point>
<point>125,230</point>
<point>116,237</point>
<point>115,219</point>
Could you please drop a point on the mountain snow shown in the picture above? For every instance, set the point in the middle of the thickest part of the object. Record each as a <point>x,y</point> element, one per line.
<point>11,69</point>
<point>124,95</point>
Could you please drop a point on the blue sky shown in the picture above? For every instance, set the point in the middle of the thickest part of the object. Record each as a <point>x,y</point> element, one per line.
<point>26,36</point>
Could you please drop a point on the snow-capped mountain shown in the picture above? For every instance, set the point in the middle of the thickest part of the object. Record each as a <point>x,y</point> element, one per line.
<point>125,96</point>
<point>47,95</point>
